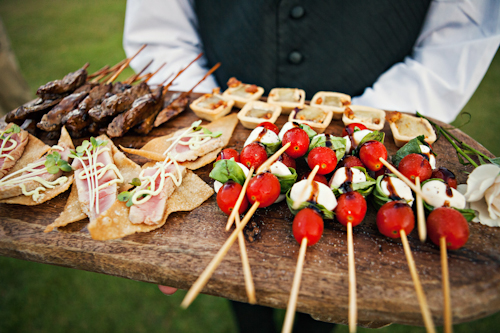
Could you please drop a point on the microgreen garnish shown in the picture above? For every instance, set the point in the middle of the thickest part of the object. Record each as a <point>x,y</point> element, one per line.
<point>464,151</point>
<point>13,129</point>
<point>93,145</point>
<point>126,196</point>
<point>135,182</point>
<point>54,163</point>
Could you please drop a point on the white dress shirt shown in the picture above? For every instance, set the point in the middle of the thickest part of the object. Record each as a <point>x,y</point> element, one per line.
<point>458,40</point>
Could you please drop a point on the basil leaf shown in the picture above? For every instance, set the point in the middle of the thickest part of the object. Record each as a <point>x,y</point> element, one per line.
<point>310,132</point>
<point>271,148</point>
<point>286,182</point>
<point>335,143</point>
<point>411,147</point>
<point>325,213</point>
<point>225,170</point>
<point>373,136</point>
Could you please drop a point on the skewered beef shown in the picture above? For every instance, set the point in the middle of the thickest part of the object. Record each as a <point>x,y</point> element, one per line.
<point>172,110</point>
<point>60,88</point>
<point>33,109</point>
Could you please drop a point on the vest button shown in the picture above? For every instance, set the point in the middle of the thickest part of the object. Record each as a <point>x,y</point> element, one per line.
<point>295,57</point>
<point>297,12</point>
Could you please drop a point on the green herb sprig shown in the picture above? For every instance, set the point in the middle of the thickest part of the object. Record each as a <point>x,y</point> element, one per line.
<point>54,163</point>
<point>93,144</point>
<point>126,196</point>
<point>11,130</point>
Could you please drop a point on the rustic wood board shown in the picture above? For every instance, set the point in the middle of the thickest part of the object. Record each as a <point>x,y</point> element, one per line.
<point>177,253</point>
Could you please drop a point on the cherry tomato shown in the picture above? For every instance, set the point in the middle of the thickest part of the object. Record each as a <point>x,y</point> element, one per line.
<point>318,178</point>
<point>270,126</point>
<point>264,188</point>
<point>382,172</point>
<point>351,207</point>
<point>309,224</point>
<point>449,223</point>
<point>228,153</point>
<point>415,165</point>
<point>253,154</point>
<point>350,161</point>
<point>287,160</point>
<point>228,195</point>
<point>349,129</point>
<point>299,141</point>
<point>369,154</point>
<point>446,175</point>
<point>324,157</point>
<point>393,217</point>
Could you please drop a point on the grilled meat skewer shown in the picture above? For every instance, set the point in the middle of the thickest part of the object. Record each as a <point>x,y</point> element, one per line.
<point>60,88</point>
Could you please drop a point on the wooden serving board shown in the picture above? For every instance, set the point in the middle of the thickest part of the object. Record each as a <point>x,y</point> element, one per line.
<point>176,254</point>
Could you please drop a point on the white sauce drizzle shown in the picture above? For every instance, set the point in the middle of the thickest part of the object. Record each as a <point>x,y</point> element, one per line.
<point>196,140</point>
<point>92,174</point>
<point>32,172</point>
<point>9,148</point>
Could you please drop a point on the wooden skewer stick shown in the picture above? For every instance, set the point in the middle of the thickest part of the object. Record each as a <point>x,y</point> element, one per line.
<point>109,71</point>
<point>424,307</point>
<point>446,286</point>
<point>408,182</point>
<point>267,164</point>
<point>98,72</point>
<point>353,308</point>
<point>155,72</point>
<point>247,273</point>
<point>294,293</point>
<point>180,72</point>
<point>207,273</point>
<point>134,77</point>
<point>422,228</point>
<point>237,205</point>
<point>213,69</point>
<point>296,203</point>
<point>125,65</point>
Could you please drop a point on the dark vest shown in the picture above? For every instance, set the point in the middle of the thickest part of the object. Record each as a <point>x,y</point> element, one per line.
<point>337,45</point>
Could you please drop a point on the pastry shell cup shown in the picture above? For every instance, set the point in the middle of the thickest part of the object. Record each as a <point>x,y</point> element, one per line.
<point>417,126</point>
<point>209,114</point>
<point>286,107</point>
<point>318,127</point>
<point>253,122</point>
<point>363,115</point>
<point>338,111</point>
<point>239,101</point>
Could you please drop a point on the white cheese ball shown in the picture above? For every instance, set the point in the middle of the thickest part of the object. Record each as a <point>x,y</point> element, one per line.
<point>400,188</point>
<point>348,144</point>
<point>286,127</point>
<point>279,169</point>
<point>325,196</point>
<point>359,135</point>
<point>427,152</point>
<point>437,195</point>
<point>269,137</point>
<point>218,184</point>
<point>340,177</point>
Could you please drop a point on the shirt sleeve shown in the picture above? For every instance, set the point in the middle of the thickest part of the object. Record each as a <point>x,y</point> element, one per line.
<point>451,55</point>
<point>169,29</point>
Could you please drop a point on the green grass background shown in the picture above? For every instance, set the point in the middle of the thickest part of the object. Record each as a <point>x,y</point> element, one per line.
<point>52,38</point>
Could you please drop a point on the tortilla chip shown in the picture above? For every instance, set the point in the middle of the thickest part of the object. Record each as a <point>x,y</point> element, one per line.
<point>114,222</point>
<point>35,148</point>
<point>66,138</point>
<point>71,213</point>
<point>47,195</point>
<point>154,149</point>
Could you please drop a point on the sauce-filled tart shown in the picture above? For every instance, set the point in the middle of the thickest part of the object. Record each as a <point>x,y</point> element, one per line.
<point>211,106</point>
<point>287,98</point>
<point>372,118</point>
<point>242,93</point>
<point>315,117</point>
<point>256,112</point>
<point>332,101</point>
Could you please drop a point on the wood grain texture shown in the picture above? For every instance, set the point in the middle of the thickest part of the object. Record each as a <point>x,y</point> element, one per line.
<point>177,253</point>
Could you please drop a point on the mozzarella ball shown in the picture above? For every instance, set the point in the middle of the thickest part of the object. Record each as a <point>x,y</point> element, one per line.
<point>400,188</point>
<point>427,152</point>
<point>324,195</point>
<point>340,177</point>
<point>438,194</point>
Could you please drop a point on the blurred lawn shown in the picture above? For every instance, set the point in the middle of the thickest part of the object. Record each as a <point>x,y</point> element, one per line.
<point>52,38</point>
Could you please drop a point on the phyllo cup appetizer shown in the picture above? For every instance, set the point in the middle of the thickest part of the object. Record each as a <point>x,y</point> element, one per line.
<point>211,106</point>
<point>316,118</point>
<point>405,127</point>
<point>287,98</point>
<point>255,112</point>
<point>372,118</point>
<point>242,93</point>
<point>332,101</point>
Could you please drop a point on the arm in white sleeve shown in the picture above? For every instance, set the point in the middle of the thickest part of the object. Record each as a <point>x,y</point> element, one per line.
<point>451,55</point>
<point>169,29</point>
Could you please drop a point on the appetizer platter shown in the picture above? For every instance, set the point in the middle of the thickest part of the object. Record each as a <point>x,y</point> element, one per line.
<point>175,251</point>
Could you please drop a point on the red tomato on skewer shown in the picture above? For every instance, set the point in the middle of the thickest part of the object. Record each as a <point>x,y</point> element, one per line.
<point>351,207</point>
<point>394,216</point>
<point>270,126</point>
<point>308,224</point>
<point>228,195</point>
<point>369,154</point>
<point>299,142</point>
<point>287,160</point>
<point>317,178</point>
<point>349,129</point>
<point>264,188</point>
<point>254,155</point>
<point>446,175</point>
<point>350,161</point>
<point>449,223</point>
<point>227,154</point>
<point>324,157</point>
<point>415,165</point>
